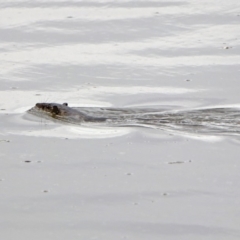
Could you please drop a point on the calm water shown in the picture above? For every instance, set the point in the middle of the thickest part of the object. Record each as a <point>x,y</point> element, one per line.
<point>72,182</point>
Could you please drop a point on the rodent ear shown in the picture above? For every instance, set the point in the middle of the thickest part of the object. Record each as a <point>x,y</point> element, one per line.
<point>65,104</point>
<point>55,110</point>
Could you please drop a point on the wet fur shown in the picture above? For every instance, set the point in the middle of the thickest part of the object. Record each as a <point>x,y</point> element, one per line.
<point>60,111</point>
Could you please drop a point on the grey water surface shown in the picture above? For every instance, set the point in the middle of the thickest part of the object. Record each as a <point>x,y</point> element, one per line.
<point>170,172</point>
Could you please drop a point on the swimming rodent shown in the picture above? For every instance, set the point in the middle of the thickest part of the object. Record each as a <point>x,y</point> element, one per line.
<point>217,120</point>
<point>63,111</point>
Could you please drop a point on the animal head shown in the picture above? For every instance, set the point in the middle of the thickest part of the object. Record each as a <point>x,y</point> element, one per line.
<point>51,108</point>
